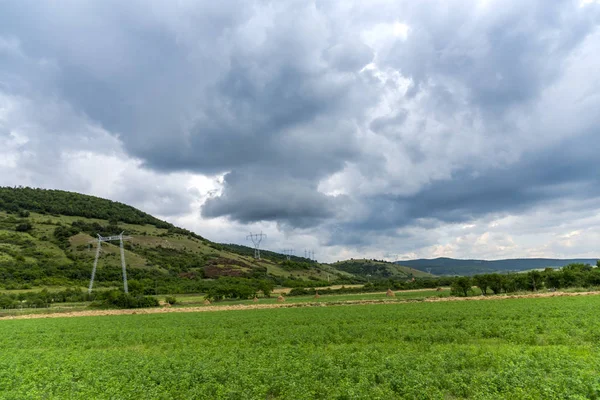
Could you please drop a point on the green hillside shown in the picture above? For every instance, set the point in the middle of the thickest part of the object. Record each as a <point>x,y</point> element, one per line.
<point>378,269</point>
<point>47,239</point>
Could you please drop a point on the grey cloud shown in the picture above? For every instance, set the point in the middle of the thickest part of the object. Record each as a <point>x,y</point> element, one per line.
<point>350,57</point>
<point>568,170</point>
<point>389,124</point>
<point>503,58</point>
<point>273,95</point>
<point>165,201</point>
<point>237,93</point>
<point>251,197</point>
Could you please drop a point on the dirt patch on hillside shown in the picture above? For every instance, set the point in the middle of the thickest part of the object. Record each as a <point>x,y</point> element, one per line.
<point>238,307</point>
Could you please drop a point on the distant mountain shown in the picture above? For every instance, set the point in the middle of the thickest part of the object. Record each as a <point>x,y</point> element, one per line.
<point>452,266</point>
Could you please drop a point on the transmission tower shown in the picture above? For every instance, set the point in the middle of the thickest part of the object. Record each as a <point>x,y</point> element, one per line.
<point>288,253</point>
<point>256,239</point>
<point>101,239</point>
<point>311,255</point>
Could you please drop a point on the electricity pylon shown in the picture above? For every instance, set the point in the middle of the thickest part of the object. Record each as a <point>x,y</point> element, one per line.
<point>288,253</point>
<point>256,239</point>
<point>101,239</point>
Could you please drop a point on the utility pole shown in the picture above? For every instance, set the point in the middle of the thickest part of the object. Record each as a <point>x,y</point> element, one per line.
<point>256,239</point>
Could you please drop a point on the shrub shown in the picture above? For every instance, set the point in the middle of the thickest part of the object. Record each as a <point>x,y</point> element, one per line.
<point>115,298</point>
<point>24,227</point>
<point>171,300</point>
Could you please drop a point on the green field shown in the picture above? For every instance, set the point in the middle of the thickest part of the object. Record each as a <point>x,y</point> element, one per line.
<point>195,300</point>
<point>544,348</point>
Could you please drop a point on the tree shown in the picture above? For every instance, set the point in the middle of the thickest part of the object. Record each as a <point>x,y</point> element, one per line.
<point>495,282</point>
<point>535,279</point>
<point>577,267</point>
<point>266,287</point>
<point>135,287</point>
<point>461,286</point>
<point>571,278</point>
<point>593,278</point>
<point>482,282</point>
<point>552,278</point>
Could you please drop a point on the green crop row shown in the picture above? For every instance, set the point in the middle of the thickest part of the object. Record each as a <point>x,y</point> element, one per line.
<point>542,348</point>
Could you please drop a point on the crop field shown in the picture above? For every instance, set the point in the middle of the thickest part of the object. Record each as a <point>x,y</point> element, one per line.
<point>538,348</point>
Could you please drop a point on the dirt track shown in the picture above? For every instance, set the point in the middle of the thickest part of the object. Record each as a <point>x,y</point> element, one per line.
<point>323,303</point>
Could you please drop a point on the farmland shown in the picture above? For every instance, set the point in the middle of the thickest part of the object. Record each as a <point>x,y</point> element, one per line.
<point>514,348</point>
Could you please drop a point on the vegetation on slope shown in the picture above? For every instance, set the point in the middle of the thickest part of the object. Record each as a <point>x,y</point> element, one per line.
<point>60,202</point>
<point>47,239</point>
<point>378,269</point>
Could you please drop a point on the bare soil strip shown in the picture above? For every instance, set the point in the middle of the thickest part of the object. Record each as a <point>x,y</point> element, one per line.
<point>97,313</point>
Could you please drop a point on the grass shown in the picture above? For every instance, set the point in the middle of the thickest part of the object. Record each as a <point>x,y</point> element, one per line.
<point>195,300</point>
<point>544,348</point>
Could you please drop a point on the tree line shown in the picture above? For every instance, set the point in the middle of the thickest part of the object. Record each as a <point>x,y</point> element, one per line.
<point>569,276</point>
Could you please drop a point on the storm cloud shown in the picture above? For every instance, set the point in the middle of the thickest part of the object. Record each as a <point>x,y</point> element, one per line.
<point>352,125</point>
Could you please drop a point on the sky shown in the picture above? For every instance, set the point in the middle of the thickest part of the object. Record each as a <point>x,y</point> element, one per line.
<point>380,129</point>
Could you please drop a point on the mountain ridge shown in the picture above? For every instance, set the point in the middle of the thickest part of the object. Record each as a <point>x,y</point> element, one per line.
<point>457,266</point>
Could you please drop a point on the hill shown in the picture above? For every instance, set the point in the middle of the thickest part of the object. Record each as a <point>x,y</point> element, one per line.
<point>47,239</point>
<point>378,269</point>
<point>451,266</point>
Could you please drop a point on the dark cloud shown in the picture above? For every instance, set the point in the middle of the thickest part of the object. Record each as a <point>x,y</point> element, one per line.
<point>568,170</point>
<point>458,119</point>
<point>249,198</point>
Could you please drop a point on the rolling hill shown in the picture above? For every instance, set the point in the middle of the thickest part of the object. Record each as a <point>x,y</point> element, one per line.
<point>378,269</point>
<point>47,239</point>
<point>451,266</point>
